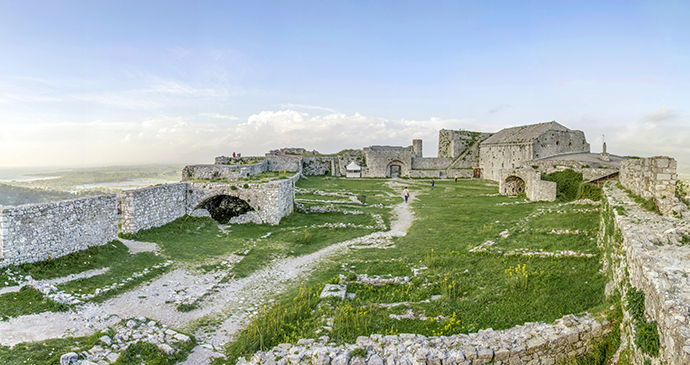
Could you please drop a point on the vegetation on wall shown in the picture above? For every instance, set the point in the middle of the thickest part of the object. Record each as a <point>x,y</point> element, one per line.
<point>567,183</point>
<point>646,333</point>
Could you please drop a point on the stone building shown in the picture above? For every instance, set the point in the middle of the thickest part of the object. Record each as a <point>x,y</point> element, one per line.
<point>514,147</point>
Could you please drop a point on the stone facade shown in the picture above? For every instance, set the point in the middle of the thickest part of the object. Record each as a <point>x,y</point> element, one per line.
<point>319,165</point>
<point>153,206</point>
<point>278,162</point>
<point>224,160</point>
<point>380,159</point>
<point>534,343</point>
<point>643,250</point>
<point>653,177</point>
<point>220,171</point>
<point>38,232</point>
<point>527,181</point>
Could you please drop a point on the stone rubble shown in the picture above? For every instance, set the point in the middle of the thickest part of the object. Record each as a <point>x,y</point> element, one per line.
<point>126,333</point>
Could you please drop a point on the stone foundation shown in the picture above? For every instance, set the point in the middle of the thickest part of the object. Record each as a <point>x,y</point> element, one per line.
<point>653,177</point>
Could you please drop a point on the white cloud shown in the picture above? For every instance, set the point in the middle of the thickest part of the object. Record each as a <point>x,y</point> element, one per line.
<point>663,114</point>
<point>184,140</point>
<point>219,116</point>
<point>302,106</point>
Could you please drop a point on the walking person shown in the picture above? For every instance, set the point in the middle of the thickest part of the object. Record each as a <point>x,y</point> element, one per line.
<point>406,194</point>
<point>432,184</point>
<point>456,178</point>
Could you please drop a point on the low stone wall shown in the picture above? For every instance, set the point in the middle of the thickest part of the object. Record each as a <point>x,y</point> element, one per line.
<point>284,162</point>
<point>224,160</point>
<point>644,250</point>
<point>218,171</point>
<point>653,177</point>
<point>153,206</point>
<point>430,163</point>
<point>38,232</point>
<point>320,165</point>
<point>533,343</point>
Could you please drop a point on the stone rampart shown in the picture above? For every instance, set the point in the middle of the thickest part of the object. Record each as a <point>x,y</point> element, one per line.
<point>644,250</point>
<point>319,165</point>
<point>533,343</point>
<point>38,232</point>
<point>653,177</point>
<point>153,206</point>
<point>284,162</point>
<point>588,170</point>
<point>224,160</point>
<point>219,171</point>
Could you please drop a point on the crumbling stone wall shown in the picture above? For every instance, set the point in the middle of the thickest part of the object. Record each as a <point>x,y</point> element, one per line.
<point>533,343</point>
<point>224,160</point>
<point>38,232</point>
<point>153,206</point>
<point>643,250</point>
<point>589,170</point>
<point>653,177</point>
<point>284,162</point>
<point>495,157</point>
<point>319,165</point>
<point>218,171</point>
<point>380,158</point>
<point>430,163</point>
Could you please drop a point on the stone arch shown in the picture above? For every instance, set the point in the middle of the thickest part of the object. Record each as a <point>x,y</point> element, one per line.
<point>396,165</point>
<point>223,207</point>
<point>515,185</point>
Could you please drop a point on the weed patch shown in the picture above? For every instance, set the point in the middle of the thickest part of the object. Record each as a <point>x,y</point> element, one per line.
<point>27,300</point>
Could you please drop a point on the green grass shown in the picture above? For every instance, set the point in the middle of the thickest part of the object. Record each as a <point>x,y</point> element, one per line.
<point>46,352</point>
<point>476,290</point>
<point>27,301</point>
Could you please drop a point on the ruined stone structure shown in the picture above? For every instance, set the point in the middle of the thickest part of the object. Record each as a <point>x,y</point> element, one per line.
<point>38,232</point>
<point>526,181</point>
<point>643,250</point>
<point>223,171</point>
<point>514,147</point>
<point>655,178</point>
<point>158,205</point>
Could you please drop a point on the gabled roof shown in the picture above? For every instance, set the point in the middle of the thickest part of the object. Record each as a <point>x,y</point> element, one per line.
<point>523,134</point>
<point>353,167</point>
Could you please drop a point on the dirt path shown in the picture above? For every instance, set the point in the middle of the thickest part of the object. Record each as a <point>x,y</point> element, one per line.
<point>234,303</point>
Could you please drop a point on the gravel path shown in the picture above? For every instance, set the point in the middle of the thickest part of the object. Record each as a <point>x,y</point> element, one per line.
<point>234,302</point>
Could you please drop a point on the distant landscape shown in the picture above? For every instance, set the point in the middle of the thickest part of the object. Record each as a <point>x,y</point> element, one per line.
<point>73,183</point>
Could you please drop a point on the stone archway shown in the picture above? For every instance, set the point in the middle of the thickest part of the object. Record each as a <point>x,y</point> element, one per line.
<point>514,185</point>
<point>223,207</point>
<point>396,169</point>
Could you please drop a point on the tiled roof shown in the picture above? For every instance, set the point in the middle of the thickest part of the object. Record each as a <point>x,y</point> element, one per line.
<point>523,134</point>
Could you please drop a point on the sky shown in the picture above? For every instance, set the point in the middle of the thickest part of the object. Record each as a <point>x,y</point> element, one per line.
<point>88,83</point>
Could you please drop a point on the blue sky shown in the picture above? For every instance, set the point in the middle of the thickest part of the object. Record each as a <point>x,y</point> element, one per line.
<point>105,82</point>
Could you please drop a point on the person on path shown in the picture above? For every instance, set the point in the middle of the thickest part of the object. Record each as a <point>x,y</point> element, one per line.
<point>432,184</point>
<point>406,194</point>
<point>456,178</point>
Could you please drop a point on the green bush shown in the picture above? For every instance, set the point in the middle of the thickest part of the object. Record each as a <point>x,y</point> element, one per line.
<point>589,191</point>
<point>567,183</point>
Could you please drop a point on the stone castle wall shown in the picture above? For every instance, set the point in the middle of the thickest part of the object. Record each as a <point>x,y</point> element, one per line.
<point>642,249</point>
<point>430,163</point>
<point>536,189</point>
<point>319,165</point>
<point>653,177</point>
<point>219,171</point>
<point>38,232</point>
<point>380,158</point>
<point>153,206</point>
<point>224,160</point>
<point>588,173</point>
<point>283,162</point>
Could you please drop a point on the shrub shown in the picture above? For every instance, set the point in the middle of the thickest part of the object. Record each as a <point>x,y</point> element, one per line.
<point>567,183</point>
<point>589,191</point>
<point>305,238</point>
<point>646,334</point>
<point>246,186</point>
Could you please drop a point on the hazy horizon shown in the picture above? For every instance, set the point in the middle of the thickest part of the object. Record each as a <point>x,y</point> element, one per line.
<point>129,83</point>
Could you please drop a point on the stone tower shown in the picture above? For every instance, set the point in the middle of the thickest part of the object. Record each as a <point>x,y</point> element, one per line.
<point>417,147</point>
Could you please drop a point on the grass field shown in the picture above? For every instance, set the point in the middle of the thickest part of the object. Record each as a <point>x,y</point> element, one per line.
<point>448,285</point>
<point>451,290</point>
